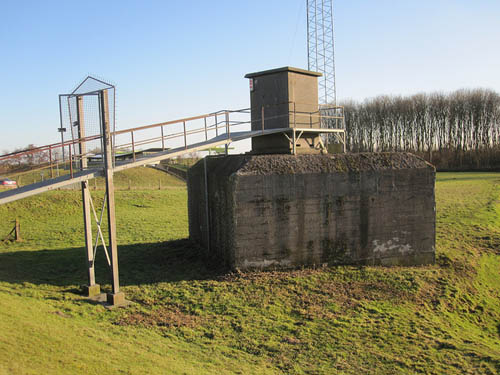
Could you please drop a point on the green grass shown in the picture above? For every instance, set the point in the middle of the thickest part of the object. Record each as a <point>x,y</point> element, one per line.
<point>190,317</point>
<point>131,179</point>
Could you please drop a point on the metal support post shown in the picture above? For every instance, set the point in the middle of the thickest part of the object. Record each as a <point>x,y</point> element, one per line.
<point>207,216</point>
<point>185,135</point>
<point>216,126</point>
<point>116,297</point>
<point>206,134</point>
<point>227,132</point>
<point>70,161</point>
<point>50,163</point>
<point>162,139</point>
<point>92,288</point>
<point>133,145</point>
<point>62,129</point>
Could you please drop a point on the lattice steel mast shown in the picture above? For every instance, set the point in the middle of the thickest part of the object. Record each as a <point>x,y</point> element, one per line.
<point>321,47</point>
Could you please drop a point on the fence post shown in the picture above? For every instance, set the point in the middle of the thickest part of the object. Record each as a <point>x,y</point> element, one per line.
<point>17,231</point>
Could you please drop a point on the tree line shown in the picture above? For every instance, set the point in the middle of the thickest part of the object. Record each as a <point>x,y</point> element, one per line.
<point>459,130</point>
<point>28,160</point>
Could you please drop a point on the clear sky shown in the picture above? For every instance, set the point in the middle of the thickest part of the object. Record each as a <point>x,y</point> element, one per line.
<point>172,59</point>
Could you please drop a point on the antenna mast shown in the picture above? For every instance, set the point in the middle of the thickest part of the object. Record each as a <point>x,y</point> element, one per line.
<point>321,48</point>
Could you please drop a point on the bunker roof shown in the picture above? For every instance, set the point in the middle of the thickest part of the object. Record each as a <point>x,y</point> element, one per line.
<point>284,69</point>
<point>303,164</point>
<point>285,164</point>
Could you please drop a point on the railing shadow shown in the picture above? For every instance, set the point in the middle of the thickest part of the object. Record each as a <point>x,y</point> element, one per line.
<point>144,263</point>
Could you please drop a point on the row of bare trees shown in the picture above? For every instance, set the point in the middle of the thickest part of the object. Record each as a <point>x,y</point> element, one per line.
<point>28,160</point>
<point>454,131</point>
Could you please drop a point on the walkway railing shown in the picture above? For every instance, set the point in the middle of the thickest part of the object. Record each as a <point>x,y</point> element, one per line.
<point>183,135</point>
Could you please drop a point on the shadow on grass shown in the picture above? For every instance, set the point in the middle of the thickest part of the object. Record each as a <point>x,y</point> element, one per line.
<point>139,264</point>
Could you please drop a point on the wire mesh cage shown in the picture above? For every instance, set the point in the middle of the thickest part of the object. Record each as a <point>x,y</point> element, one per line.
<point>81,117</point>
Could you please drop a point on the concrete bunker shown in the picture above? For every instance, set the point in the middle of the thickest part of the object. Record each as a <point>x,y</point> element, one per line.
<point>287,204</point>
<point>286,211</point>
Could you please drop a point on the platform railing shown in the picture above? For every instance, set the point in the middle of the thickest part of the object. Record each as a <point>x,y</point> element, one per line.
<point>131,144</point>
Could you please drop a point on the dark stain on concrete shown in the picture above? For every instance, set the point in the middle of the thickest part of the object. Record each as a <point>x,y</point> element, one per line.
<point>313,209</point>
<point>364,220</point>
<point>334,251</point>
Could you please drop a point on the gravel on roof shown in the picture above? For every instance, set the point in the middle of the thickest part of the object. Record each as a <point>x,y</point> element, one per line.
<point>287,164</point>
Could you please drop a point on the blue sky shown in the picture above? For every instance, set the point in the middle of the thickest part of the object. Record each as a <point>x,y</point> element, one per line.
<point>172,59</point>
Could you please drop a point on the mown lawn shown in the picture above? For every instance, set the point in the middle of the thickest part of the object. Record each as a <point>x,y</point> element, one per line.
<point>131,179</point>
<point>190,317</point>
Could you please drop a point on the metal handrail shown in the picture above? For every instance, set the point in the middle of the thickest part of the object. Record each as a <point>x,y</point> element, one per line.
<point>219,121</point>
<point>151,126</point>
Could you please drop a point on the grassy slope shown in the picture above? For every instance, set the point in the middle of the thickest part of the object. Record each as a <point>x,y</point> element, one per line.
<point>136,178</point>
<point>189,316</point>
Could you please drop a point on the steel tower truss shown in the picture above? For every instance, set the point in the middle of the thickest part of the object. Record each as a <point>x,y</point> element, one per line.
<point>321,48</point>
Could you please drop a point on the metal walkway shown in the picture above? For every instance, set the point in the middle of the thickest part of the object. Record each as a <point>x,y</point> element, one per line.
<point>139,159</point>
<point>124,149</point>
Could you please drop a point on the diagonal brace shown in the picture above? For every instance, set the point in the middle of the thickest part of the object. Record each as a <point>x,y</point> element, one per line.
<point>99,222</point>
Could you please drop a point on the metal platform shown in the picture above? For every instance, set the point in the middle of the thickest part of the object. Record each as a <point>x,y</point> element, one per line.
<point>120,165</point>
<point>96,150</point>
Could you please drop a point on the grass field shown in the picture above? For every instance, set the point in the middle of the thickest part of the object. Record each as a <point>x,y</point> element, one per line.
<point>189,317</point>
<point>132,179</point>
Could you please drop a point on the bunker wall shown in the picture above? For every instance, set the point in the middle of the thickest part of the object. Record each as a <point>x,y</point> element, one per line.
<point>286,211</point>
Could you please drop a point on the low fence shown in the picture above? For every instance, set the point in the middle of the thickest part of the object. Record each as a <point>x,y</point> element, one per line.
<point>172,170</point>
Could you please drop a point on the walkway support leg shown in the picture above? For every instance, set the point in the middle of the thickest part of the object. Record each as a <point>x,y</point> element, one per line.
<point>92,289</point>
<point>115,297</point>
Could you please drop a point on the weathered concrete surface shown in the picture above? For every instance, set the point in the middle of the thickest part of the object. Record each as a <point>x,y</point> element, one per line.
<point>286,211</point>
